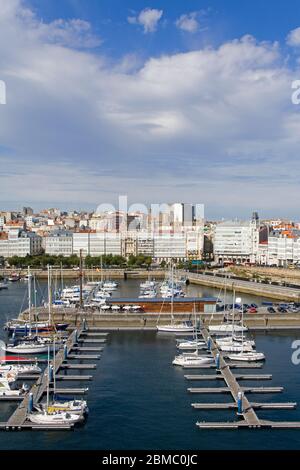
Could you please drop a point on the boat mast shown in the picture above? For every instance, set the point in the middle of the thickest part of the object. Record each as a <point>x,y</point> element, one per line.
<point>225,292</point>
<point>61,277</point>
<point>233,312</point>
<point>54,377</point>
<point>29,299</point>
<point>49,295</point>
<point>48,384</point>
<point>172,298</point>
<point>80,280</point>
<point>35,304</point>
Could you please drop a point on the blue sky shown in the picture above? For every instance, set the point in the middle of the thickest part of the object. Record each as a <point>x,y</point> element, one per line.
<point>162,100</point>
<point>221,20</point>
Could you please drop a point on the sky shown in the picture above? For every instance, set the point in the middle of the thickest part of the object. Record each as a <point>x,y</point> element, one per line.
<point>162,101</point>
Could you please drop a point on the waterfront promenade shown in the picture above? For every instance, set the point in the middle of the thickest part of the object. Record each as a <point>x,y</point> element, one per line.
<point>247,287</point>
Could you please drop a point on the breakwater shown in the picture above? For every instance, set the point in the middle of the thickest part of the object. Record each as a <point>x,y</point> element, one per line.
<point>262,320</point>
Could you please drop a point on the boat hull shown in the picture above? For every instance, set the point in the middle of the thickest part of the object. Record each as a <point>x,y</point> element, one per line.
<point>42,328</point>
<point>175,328</point>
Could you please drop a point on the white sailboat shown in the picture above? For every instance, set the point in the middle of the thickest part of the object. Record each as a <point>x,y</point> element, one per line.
<point>58,405</point>
<point>59,417</point>
<point>226,329</point>
<point>27,347</point>
<point>192,344</point>
<point>70,406</point>
<point>231,328</point>
<point>183,327</point>
<point>193,359</point>
<point>247,356</point>
<point>34,344</point>
<point>51,417</point>
<point>6,391</point>
<point>20,369</point>
<point>235,339</point>
<point>236,347</point>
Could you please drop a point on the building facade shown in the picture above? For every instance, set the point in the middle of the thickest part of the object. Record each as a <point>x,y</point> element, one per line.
<point>19,243</point>
<point>236,242</point>
<point>59,243</point>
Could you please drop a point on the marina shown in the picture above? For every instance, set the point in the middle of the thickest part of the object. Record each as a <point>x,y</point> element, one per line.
<point>19,419</point>
<point>245,409</point>
<point>131,344</point>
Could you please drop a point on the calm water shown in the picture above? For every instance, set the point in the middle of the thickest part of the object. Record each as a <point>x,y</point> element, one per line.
<point>138,400</point>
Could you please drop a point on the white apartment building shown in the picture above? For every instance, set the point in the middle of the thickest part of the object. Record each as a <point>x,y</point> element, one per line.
<point>194,244</point>
<point>97,244</point>
<point>283,251</point>
<point>29,221</point>
<point>145,244</point>
<point>19,243</point>
<point>236,242</point>
<point>167,247</point>
<point>59,243</point>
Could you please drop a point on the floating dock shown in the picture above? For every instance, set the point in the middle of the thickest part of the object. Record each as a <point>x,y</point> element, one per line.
<point>19,418</point>
<point>247,417</point>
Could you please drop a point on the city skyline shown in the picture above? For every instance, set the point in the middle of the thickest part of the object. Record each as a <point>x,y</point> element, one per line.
<point>95,104</point>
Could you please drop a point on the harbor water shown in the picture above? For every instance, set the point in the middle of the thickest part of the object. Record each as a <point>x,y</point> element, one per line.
<point>138,400</point>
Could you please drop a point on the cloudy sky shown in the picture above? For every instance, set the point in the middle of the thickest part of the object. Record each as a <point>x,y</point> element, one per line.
<point>188,100</point>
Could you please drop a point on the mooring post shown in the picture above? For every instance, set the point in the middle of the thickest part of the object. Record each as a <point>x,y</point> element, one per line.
<point>65,352</point>
<point>240,403</point>
<point>218,362</point>
<point>30,403</point>
<point>50,372</point>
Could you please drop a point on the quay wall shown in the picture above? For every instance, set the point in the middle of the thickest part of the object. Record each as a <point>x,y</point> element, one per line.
<point>90,274</point>
<point>262,320</point>
<point>246,287</point>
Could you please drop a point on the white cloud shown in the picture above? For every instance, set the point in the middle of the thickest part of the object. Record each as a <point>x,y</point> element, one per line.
<point>188,22</point>
<point>72,33</point>
<point>293,38</point>
<point>148,18</point>
<point>214,125</point>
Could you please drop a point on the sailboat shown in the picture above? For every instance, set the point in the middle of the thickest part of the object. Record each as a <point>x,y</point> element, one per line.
<point>190,344</point>
<point>192,358</point>
<point>78,407</point>
<point>45,415</point>
<point>245,355</point>
<point>60,403</point>
<point>27,346</point>
<point>20,369</point>
<point>6,391</point>
<point>23,327</point>
<point>228,328</point>
<point>184,327</point>
<point>33,344</point>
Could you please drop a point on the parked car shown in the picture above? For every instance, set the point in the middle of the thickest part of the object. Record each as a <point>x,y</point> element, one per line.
<point>281,310</point>
<point>271,310</point>
<point>252,310</point>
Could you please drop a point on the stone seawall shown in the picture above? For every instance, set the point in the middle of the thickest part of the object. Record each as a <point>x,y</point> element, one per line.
<point>258,321</point>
